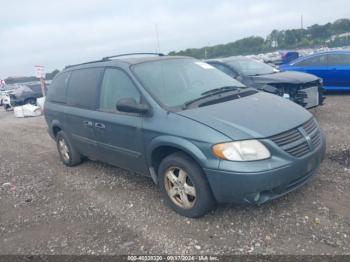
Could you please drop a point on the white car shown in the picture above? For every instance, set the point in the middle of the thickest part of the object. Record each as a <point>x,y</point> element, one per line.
<point>5,101</point>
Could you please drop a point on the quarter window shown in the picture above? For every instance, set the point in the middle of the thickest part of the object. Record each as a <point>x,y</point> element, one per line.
<point>57,90</point>
<point>83,87</point>
<point>116,85</point>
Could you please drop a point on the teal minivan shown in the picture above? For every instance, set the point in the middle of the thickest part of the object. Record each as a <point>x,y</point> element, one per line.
<point>202,136</point>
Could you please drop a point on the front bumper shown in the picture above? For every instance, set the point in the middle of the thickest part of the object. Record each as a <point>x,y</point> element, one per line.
<point>261,186</point>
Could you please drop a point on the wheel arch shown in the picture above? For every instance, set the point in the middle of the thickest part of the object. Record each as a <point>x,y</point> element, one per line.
<point>55,127</point>
<point>163,146</point>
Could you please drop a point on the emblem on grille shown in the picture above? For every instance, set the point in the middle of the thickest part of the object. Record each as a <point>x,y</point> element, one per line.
<point>307,137</point>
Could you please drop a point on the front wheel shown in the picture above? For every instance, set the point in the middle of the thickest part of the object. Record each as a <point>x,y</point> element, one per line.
<point>184,186</point>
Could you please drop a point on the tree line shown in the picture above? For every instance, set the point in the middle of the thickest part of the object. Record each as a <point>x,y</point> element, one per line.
<point>24,79</point>
<point>329,35</point>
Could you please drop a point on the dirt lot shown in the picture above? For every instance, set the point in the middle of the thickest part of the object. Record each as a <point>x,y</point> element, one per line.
<point>97,209</point>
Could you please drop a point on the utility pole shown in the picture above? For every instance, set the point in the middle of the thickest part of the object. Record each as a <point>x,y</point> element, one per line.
<point>301,22</point>
<point>40,73</point>
<point>157,37</point>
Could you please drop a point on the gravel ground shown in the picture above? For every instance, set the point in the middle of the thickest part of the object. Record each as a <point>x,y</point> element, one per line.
<point>47,208</point>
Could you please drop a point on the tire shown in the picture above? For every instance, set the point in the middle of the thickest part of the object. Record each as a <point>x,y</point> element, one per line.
<point>68,154</point>
<point>7,107</point>
<point>191,194</point>
<point>31,101</point>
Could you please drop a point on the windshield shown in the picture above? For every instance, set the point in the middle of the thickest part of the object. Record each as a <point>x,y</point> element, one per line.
<point>251,67</point>
<point>174,82</point>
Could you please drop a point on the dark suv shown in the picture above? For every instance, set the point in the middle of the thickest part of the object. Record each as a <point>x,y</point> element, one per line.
<point>202,136</point>
<point>25,94</point>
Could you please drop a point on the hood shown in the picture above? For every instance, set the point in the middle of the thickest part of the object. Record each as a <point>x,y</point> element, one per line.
<point>256,116</point>
<point>284,77</point>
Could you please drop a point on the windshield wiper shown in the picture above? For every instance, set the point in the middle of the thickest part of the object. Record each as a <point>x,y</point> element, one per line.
<point>263,74</point>
<point>220,90</point>
<point>210,93</point>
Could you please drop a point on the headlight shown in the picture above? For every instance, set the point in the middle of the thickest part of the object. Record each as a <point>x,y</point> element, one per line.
<point>245,150</point>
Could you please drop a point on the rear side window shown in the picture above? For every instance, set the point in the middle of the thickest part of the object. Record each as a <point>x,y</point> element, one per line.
<point>83,87</point>
<point>116,85</point>
<point>338,59</point>
<point>320,60</point>
<point>57,90</point>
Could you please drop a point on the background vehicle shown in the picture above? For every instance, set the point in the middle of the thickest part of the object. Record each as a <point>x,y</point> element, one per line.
<point>6,103</point>
<point>201,135</point>
<point>25,94</point>
<point>288,56</point>
<point>332,66</point>
<point>4,91</point>
<point>303,89</point>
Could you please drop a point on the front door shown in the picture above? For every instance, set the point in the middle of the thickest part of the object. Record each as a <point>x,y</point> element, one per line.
<point>119,135</point>
<point>315,65</point>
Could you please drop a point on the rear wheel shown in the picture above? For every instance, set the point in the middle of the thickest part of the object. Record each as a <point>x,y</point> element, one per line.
<point>68,154</point>
<point>184,186</point>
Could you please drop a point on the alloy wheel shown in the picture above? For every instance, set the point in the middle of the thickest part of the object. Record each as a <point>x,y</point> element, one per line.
<point>63,148</point>
<point>180,188</point>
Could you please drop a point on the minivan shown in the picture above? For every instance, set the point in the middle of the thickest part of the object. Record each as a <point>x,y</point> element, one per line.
<point>201,135</point>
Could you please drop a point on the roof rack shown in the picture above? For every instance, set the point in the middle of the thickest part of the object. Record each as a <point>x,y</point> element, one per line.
<point>107,58</point>
<point>130,54</point>
<point>91,62</point>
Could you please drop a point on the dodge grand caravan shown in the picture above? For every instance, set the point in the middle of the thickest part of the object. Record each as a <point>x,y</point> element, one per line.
<point>202,136</point>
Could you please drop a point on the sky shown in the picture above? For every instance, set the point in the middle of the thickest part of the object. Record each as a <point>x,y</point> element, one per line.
<point>62,32</point>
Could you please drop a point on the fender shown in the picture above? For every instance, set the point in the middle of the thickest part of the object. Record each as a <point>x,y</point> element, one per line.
<point>54,123</point>
<point>176,142</point>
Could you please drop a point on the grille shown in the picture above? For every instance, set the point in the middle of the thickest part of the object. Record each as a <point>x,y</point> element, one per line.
<point>295,143</point>
<point>310,126</point>
<point>310,84</point>
<point>316,139</point>
<point>299,150</point>
<point>287,137</point>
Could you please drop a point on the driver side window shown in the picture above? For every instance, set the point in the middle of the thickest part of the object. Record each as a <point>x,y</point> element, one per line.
<point>319,60</point>
<point>116,85</point>
<point>225,69</point>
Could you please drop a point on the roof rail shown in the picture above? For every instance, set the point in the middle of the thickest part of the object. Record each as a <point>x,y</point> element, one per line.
<point>109,58</point>
<point>114,56</point>
<point>91,62</point>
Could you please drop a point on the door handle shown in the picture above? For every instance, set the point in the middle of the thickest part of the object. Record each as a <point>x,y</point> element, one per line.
<point>88,123</point>
<point>100,125</point>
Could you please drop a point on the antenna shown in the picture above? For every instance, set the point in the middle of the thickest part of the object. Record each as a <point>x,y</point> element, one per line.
<point>157,37</point>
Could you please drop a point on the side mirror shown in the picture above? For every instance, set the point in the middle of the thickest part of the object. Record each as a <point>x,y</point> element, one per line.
<point>129,105</point>
<point>238,77</point>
